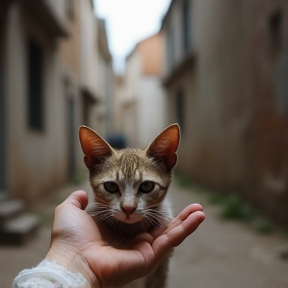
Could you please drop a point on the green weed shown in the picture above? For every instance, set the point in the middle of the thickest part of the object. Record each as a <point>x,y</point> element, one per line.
<point>263,225</point>
<point>232,206</point>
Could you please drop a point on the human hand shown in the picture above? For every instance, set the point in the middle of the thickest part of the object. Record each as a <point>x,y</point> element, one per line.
<point>77,244</point>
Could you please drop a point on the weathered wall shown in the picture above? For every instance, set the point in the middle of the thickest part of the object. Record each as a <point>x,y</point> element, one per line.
<point>69,54</point>
<point>216,89</point>
<point>130,97</point>
<point>89,48</point>
<point>269,59</point>
<point>70,48</point>
<point>223,104</point>
<point>35,159</point>
<point>188,148</point>
<point>151,110</point>
<point>237,117</point>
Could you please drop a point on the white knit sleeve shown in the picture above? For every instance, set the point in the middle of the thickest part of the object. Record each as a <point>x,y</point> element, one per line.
<point>49,274</point>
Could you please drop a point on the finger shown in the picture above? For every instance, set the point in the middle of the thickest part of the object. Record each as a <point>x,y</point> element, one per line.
<point>78,198</point>
<point>188,226</point>
<point>142,237</point>
<point>184,215</point>
<point>189,210</point>
<point>165,242</point>
<point>156,232</point>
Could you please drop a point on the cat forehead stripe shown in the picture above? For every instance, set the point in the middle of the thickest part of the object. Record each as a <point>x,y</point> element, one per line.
<point>137,175</point>
<point>121,176</point>
<point>129,164</point>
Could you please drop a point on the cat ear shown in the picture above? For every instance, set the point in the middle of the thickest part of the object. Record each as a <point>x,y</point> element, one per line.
<point>95,148</point>
<point>164,147</point>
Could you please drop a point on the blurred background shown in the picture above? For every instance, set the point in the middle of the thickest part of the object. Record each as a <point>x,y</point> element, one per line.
<point>219,68</point>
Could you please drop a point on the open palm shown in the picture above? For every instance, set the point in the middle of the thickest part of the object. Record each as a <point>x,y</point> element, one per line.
<point>77,244</point>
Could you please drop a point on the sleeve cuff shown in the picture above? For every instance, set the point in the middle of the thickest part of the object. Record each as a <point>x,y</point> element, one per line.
<point>49,274</point>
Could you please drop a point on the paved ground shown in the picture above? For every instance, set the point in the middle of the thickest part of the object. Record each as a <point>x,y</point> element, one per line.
<point>219,254</point>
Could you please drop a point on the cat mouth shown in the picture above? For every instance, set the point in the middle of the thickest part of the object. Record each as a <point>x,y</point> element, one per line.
<point>131,219</point>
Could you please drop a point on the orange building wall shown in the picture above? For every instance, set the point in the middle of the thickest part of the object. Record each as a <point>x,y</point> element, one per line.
<point>151,50</point>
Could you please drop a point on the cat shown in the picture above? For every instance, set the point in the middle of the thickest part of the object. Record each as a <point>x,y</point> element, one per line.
<point>129,188</point>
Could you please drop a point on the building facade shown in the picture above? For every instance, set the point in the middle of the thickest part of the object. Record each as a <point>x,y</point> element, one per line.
<point>106,83</point>
<point>33,104</point>
<point>269,71</point>
<point>49,83</point>
<point>225,79</point>
<point>205,66</point>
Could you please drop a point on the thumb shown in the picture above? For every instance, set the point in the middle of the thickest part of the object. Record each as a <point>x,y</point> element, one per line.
<point>78,198</point>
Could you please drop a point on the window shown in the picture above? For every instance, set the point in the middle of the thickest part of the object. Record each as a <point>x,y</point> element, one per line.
<point>180,108</point>
<point>185,25</point>
<point>35,85</point>
<point>276,32</point>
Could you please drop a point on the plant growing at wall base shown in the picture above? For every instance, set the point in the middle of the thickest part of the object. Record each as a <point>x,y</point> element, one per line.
<point>234,208</point>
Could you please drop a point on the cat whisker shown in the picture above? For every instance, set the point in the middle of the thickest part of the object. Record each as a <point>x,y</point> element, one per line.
<point>148,220</point>
<point>152,220</point>
<point>102,218</point>
<point>157,219</point>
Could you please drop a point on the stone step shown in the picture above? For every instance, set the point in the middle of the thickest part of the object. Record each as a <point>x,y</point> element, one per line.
<point>19,229</point>
<point>3,195</point>
<point>9,209</point>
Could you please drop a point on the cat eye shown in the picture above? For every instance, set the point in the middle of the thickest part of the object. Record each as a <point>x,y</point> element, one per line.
<point>111,187</point>
<point>147,187</point>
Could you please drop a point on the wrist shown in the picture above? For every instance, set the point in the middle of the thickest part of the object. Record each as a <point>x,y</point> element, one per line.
<point>73,262</point>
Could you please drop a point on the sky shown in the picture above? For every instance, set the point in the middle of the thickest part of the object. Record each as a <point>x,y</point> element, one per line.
<point>128,22</point>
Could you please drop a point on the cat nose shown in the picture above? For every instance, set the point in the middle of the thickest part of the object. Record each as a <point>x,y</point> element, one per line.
<point>128,210</point>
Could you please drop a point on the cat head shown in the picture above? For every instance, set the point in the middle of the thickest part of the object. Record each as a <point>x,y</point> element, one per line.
<point>130,184</point>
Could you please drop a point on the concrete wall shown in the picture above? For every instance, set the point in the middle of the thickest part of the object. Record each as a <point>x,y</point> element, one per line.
<point>223,102</point>
<point>189,149</point>
<point>269,59</point>
<point>39,160</point>
<point>151,110</point>
<point>130,97</point>
<point>216,87</point>
<point>89,48</point>
<point>119,90</point>
<point>173,37</point>
<point>70,58</point>
<point>110,84</point>
<point>70,48</point>
<point>235,114</point>
<point>106,83</point>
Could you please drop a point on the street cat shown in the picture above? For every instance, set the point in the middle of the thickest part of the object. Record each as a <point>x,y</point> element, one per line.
<point>130,186</point>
